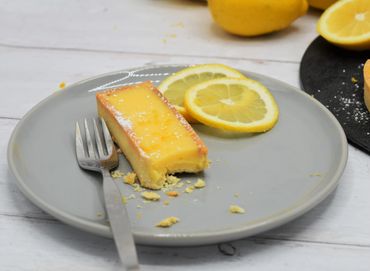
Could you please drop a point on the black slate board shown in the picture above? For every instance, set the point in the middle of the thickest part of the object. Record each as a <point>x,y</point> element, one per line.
<point>334,76</point>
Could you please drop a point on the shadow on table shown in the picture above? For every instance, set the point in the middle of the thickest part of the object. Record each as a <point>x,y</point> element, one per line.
<point>104,248</point>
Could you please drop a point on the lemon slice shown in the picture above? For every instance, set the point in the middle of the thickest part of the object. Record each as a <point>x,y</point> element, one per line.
<point>241,105</point>
<point>175,86</point>
<point>347,24</point>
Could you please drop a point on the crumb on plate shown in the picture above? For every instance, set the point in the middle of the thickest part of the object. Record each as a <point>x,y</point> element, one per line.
<point>99,214</point>
<point>131,196</point>
<point>137,187</point>
<point>200,183</point>
<point>235,209</point>
<point>172,193</point>
<point>117,174</point>
<point>139,215</point>
<point>180,184</point>
<point>168,222</point>
<point>129,178</point>
<point>150,196</point>
<point>189,189</point>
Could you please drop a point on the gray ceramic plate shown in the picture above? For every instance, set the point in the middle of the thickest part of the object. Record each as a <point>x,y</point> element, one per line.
<point>276,176</point>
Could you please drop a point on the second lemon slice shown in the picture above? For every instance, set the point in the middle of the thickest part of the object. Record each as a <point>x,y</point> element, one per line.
<point>175,86</point>
<point>241,105</point>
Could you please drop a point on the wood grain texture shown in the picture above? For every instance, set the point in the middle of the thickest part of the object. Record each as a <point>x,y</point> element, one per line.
<point>164,27</point>
<point>46,245</point>
<point>37,73</point>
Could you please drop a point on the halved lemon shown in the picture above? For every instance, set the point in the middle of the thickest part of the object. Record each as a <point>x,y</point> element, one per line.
<point>175,86</point>
<point>347,24</point>
<point>240,105</point>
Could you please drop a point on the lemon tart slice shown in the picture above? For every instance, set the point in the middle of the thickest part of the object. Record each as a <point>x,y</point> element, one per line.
<point>153,135</point>
<point>367,84</point>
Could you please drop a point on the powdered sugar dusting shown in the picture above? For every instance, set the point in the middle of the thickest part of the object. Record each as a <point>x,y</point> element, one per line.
<point>124,122</point>
<point>343,95</point>
<point>355,110</point>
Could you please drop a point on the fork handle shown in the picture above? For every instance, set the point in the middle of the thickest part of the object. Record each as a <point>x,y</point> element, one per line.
<point>120,223</point>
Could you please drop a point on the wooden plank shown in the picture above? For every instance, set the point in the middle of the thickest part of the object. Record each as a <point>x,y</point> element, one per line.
<point>340,219</point>
<point>46,245</point>
<point>163,27</point>
<point>30,75</point>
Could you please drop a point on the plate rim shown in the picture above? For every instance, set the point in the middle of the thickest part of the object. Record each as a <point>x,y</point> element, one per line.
<point>187,239</point>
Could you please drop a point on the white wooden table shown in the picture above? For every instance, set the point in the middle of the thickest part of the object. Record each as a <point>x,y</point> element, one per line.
<point>43,43</point>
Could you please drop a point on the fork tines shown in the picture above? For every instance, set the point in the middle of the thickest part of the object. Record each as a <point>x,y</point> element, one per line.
<point>103,145</point>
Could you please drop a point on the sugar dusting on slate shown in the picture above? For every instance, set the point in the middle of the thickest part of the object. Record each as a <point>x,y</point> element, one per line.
<point>347,104</point>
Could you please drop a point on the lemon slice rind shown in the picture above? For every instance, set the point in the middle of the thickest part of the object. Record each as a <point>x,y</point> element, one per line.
<point>262,125</point>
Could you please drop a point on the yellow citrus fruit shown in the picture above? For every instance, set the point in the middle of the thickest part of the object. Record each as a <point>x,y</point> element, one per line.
<point>255,17</point>
<point>240,105</point>
<point>321,4</point>
<point>175,86</point>
<point>367,84</point>
<point>347,24</point>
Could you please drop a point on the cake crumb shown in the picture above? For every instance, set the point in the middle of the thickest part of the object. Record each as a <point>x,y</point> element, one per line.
<point>139,206</point>
<point>62,85</point>
<point>235,209</point>
<point>188,182</point>
<point>200,183</point>
<point>124,200</point>
<point>166,203</point>
<point>137,187</point>
<point>117,174</point>
<point>139,215</point>
<point>168,222</point>
<point>129,178</point>
<point>316,174</point>
<point>236,195</point>
<point>150,196</point>
<point>172,193</point>
<point>172,180</point>
<point>189,189</point>
<point>180,184</point>
<point>354,80</point>
<point>131,196</point>
<point>99,214</point>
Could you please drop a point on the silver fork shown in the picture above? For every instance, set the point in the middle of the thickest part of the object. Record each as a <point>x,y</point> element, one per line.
<point>103,161</point>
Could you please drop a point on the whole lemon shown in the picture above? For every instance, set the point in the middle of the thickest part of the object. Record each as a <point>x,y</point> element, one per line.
<point>321,4</point>
<point>255,17</point>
